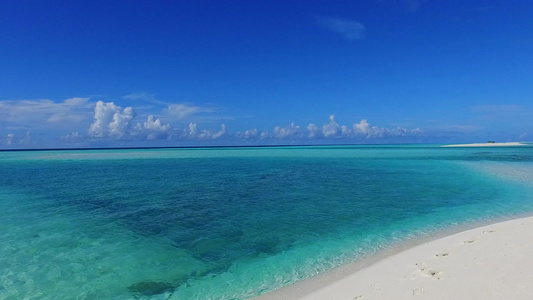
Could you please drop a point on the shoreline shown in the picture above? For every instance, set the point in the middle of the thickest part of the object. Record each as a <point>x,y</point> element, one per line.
<point>480,262</point>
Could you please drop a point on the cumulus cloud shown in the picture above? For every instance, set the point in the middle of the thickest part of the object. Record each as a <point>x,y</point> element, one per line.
<point>291,131</point>
<point>205,134</point>
<point>349,29</point>
<point>333,130</point>
<point>314,131</point>
<point>13,139</point>
<point>193,129</point>
<point>364,129</point>
<point>155,125</point>
<point>250,134</point>
<point>111,120</point>
<point>329,130</point>
<point>121,122</point>
<point>153,129</point>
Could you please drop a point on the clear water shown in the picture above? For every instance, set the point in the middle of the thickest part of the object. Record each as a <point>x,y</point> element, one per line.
<point>232,223</point>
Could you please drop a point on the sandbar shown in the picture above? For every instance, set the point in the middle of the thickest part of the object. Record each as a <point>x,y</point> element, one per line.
<point>487,144</point>
<point>489,262</point>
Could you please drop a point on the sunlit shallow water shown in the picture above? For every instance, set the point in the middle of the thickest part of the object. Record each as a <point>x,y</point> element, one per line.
<point>225,223</point>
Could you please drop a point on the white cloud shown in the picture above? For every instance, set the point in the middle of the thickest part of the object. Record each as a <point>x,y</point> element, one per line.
<point>220,133</point>
<point>194,133</point>
<point>103,114</point>
<point>36,113</point>
<point>264,134</point>
<point>349,29</point>
<point>110,120</point>
<point>193,129</point>
<point>9,139</point>
<point>364,129</point>
<point>250,134</point>
<point>156,125</point>
<point>113,122</point>
<point>332,129</point>
<point>121,122</point>
<point>173,110</point>
<point>153,129</point>
<point>182,111</point>
<point>314,131</point>
<point>292,131</point>
<point>17,140</point>
<point>76,101</point>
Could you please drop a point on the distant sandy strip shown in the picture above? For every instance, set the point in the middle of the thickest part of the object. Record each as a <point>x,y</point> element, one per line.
<point>490,262</point>
<point>487,144</point>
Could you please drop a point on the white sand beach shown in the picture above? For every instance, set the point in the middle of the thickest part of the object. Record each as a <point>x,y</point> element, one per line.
<point>487,144</point>
<point>489,262</point>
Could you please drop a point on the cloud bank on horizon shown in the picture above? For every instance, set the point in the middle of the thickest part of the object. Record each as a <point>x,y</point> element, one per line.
<point>106,123</point>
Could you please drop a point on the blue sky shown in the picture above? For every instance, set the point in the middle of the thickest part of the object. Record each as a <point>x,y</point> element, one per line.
<point>182,73</point>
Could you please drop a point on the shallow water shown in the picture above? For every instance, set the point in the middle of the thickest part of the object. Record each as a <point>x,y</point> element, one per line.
<point>226,223</point>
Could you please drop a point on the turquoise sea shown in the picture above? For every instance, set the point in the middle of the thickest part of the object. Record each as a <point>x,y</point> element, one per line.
<point>233,223</point>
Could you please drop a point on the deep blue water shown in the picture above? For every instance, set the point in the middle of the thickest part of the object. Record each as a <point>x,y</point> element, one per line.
<point>225,223</point>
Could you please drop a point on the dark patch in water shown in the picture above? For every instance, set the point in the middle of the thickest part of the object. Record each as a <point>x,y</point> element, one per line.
<point>210,256</point>
<point>266,247</point>
<point>151,288</point>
